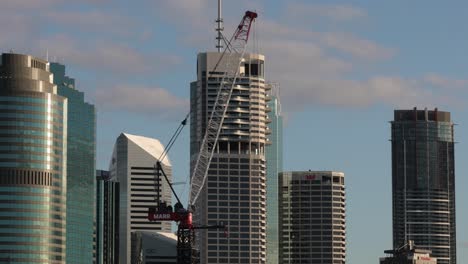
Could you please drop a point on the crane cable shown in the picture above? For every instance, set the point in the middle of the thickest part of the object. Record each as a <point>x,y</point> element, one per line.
<point>174,138</point>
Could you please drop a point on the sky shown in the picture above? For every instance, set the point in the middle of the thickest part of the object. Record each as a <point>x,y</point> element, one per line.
<point>343,67</point>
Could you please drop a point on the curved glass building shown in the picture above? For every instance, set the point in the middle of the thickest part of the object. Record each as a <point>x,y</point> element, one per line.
<point>32,162</point>
<point>423,171</point>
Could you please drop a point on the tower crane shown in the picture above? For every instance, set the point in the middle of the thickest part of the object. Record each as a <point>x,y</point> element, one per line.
<point>229,62</point>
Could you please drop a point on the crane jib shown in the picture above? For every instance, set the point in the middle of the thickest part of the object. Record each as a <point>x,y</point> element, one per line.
<point>237,45</point>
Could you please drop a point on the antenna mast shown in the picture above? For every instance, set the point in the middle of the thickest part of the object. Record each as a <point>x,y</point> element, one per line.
<point>219,28</point>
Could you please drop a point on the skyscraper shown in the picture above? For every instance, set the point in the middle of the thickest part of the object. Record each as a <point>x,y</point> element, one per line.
<point>133,165</point>
<point>312,217</point>
<point>33,162</point>
<point>81,164</point>
<point>235,190</point>
<point>107,218</point>
<point>274,165</point>
<point>423,182</point>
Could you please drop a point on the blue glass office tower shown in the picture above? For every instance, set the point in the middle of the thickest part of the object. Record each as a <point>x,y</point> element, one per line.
<point>33,136</point>
<point>81,171</point>
<point>274,158</point>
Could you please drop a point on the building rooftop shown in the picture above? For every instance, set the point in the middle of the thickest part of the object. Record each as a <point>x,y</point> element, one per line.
<point>150,145</point>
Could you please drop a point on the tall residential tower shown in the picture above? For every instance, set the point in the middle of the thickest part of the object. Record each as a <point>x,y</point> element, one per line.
<point>423,176</point>
<point>33,162</point>
<point>235,190</point>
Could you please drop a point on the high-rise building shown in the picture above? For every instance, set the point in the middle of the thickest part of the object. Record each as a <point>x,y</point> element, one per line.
<point>33,162</point>
<point>423,177</point>
<point>408,254</point>
<point>235,190</point>
<point>312,217</point>
<point>81,163</point>
<point>133,166</point>
<point>107,218</point>
<point>274,165</point>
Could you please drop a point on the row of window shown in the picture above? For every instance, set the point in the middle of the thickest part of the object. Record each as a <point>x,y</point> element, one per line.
<point>41,109</point>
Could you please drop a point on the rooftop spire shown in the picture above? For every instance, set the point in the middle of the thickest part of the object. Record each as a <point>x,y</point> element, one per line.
<point>219,28</point>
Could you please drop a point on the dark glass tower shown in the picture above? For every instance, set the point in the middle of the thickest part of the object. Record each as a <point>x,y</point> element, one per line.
<point>81,159</point>
<point>423,175</point>
<point>107,218</point>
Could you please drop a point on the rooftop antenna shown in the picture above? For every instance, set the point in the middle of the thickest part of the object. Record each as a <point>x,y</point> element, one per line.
<point>219,28</point>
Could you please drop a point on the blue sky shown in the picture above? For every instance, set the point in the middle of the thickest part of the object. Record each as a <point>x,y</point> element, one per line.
<point>343,66</point>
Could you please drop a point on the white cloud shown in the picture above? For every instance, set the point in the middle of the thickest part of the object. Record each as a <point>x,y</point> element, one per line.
<point>96,20</point>
<point>355,46</point>
<point>146,100</point>
<point>108,56</point>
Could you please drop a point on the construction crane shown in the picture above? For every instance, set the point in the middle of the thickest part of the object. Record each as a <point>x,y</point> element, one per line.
<point>230,62</point>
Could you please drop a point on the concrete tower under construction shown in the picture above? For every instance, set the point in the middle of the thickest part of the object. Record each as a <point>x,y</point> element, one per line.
<point>235,190</point>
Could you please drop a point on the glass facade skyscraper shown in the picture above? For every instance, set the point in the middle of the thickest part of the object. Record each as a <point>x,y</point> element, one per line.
<point>107,218</point>
<point>274,165</point>
<point>423,182</point>
<point>33,158</point>
<point>81,164</point>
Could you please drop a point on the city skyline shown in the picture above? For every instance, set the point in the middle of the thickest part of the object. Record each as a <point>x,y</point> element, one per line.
<point>422,53</point>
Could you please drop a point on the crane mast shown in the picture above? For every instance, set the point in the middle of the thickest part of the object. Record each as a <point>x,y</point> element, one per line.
<point>229,62</point>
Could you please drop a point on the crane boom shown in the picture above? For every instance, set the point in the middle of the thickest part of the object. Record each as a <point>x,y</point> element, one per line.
<point>235,50</point>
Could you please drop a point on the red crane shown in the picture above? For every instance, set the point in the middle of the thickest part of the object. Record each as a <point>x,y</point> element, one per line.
<point>186,252</point>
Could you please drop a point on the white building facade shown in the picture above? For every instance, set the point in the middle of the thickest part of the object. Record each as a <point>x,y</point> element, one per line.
<point>312,223</point>
<point>133,165</point>
<point>235,190</point>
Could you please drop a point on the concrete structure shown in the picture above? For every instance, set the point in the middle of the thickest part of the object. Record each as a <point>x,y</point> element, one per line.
<point>235,190</point>
<point>274,156</point>
<point>312,217</point>
<point>81,164</point>
<point>107,218</point>
<point>408,254</point>
<point>154,247</point>
<point>133,165</point>
<point>33,162</point>
<point>423,176</point>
